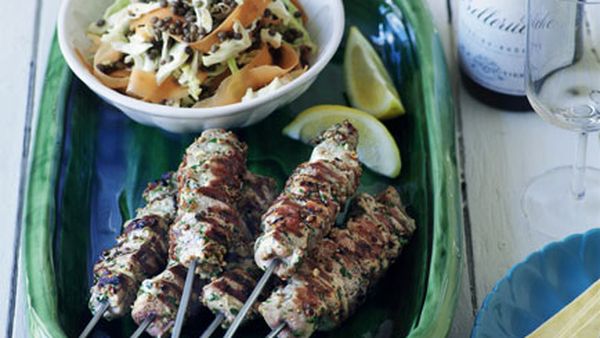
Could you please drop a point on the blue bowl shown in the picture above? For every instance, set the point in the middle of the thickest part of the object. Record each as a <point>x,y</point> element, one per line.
<point>537,288</point>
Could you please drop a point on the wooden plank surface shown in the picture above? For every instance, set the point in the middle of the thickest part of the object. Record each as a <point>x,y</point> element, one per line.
<point>19,40</point>
<point>504,151</point>
<point>48,11</point>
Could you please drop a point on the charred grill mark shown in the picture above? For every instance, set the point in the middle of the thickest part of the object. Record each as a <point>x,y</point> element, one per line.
<point>178,272</point>
<point>149,260</point>
<point>241,278</point>
<point>215,232</point>
<point>215,192</point>
<point>289,216</point>
<point>325,172</point>
<point>169,294</point>
<point>228,170</point>
<point>226,215</point>
<point>225,287</point>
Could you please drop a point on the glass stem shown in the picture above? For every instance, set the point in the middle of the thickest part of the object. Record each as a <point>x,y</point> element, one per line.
<point>578,183</point>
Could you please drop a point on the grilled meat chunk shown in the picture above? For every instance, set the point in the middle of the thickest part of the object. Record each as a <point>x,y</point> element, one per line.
<point>210,180</point>
<point>161,198</point>
<point>334,280</point>
<point>159,297</point>
<point>257,195</point>
<point>140,251</point>
<point>228,293</point>
<point>313,196</point>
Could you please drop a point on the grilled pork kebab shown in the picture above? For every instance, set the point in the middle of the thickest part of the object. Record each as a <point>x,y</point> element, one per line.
<point>159,296</point>
<point>312,198</point>
<point>334,280</point>
<point>140,252</point>
<point>227,294</point>
<point>210,180</point>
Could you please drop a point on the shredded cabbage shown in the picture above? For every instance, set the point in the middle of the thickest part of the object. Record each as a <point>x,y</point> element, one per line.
<point>229,48</point>
<point>271,87</point>
<point>278,8</point>
<point>117,27</point>
<point>297,24</point>
<point>179,56</point>
<point>203,18</point>
<point>143,62</point>
<point>189,77</point>
<point>165,46</point>
<point>136,45</point>
<point>118,23</point>
<point>273,40</point>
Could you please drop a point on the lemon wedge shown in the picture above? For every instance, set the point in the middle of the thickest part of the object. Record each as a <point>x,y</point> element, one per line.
<point>369,86</point>
<point>377,148</point>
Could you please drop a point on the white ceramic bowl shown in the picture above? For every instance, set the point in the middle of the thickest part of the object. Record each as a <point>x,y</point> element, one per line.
<point>325,24</point>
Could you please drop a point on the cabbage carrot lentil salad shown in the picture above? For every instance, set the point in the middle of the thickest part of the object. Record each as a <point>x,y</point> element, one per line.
<point>200,53</point>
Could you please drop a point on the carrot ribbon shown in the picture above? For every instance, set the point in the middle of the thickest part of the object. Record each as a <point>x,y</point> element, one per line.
<point>261,71</point>
<point>108,55</point>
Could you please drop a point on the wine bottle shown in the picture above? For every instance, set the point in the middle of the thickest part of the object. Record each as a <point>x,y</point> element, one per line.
<point>491,51</point>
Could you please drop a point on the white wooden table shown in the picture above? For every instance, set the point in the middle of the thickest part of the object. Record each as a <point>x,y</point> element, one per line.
<point>501,152</point>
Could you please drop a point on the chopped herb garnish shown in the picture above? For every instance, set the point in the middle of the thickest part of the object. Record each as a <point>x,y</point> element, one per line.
<point>213,297</point>
<point>323,197</point>
<point>345,272</point>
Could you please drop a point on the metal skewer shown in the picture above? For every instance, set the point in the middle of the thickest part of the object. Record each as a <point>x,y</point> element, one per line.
<point>143,326</point>
<point>251,299</point>
<point>213,326</point>
<point>90,326</point>
<point>276,331</point>
<point>185,299</point>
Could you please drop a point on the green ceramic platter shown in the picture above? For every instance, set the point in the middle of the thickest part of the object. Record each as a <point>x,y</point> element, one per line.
<point>90,164</point>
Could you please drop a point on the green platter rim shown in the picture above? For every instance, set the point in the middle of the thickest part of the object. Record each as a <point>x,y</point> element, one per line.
<point>445,263</point>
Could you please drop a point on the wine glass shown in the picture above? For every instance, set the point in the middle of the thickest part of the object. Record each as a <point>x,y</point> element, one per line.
<point>563,87</point>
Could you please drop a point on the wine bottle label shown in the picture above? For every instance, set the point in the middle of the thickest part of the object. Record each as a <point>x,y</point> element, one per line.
<point>491,43</point>
<point>548,28</point>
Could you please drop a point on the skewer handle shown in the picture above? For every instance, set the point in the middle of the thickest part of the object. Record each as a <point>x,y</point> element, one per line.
<point>143,326</point>
<point>276,331</point>
<point>251,299</point>
<point>185,298</point>
<point>213,326</point>
<point>90,326</point>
